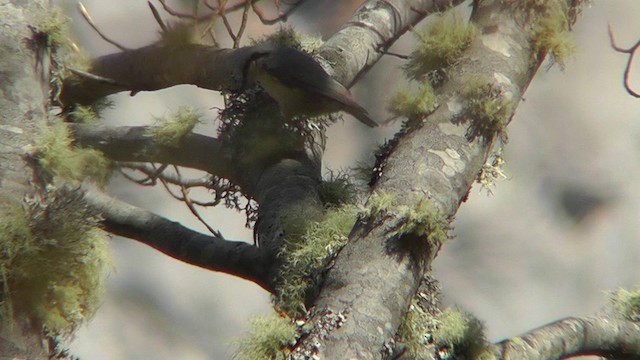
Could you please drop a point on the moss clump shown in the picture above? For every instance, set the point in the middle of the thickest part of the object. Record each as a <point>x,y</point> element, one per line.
<point>486,107</point>
<point>83,115</point>
<point>413,105</point>
<point>290,37</point>
<point>52,262</point>
<point>421,219</point>
<point>54,26</point>
<point>414,331</point>
<point>626,303</point>
<point>379,204</point>
<point>550,22</point>
<point>461,334</point>
<point>309,246</point>
<point>440,45</point>
<point>171,130</point>
<point>269,338</point>
<point>338,191</point>
<point>57,156</point>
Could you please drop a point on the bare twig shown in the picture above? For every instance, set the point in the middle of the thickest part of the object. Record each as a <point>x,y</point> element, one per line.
<point>631,52</point>
<point>282,15</point>
<point>182,15</point>
<point>157,16</point>
<point>187,200</point>
<point>89,20</point>
<point>243,24</point>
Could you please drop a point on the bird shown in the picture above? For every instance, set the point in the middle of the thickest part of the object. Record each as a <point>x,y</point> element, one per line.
<point>300,86</point>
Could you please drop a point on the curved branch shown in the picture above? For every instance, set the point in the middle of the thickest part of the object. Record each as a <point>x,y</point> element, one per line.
<point>627,70</point>
<point>599,335</point>
<point>132,144</point>
<point>214,253</point>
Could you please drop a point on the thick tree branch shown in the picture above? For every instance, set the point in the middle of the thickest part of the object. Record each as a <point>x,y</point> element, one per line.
<point>599,335</point>
<point>133,144</point>
<point>437,163</point>
<point>171,238</point>
<point>157,67</point>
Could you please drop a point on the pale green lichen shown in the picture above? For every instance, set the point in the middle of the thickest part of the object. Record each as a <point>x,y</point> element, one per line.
<point>626,303</point>
<point>171,130</point>
<point>269,338</point>
<point>492,172</point>
<point>551,21</point>
<point>440,45</point>
<point>57,156</point>
<point>414,105</point>
<point>421,219</point>
<point>52,261</point>
<point>379,204</point>
<point>462,334</point>
<point>311,240</point>
<point>486,107</point>
<point>414,331</point>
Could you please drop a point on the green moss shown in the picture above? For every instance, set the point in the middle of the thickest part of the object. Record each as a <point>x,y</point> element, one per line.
<point>269,338</point>
<point>309,245</point>
<point>551,21</point>
<point>59,157</point>
<point>415,329</point>
<point>626,303</point>
<point>337,191</point>
<point>52,259</point>
<point>55,26</point>
<point>172,130</point>
<point>440,45</point>
<point>462,334</point>
<point>421,219</point>
<point>379,203</point>
<point>486,107</point>
<point>414,105</point>
<point>83,115</point>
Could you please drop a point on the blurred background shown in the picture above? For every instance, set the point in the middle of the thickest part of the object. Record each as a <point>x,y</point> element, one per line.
<point>560,232</point>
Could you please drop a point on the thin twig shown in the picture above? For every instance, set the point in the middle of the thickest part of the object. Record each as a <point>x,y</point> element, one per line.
<point>187,200</point>
<point>631,52</point>
<point>153,174</point>
<point>179,14</point>
<point>157,16</point>
<point>89,20</point>
<point>243,25</point>
<point>282,15</point>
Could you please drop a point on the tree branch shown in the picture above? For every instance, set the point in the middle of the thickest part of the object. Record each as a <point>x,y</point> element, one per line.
<point>157,67</point>
<point>436,163</point>
<point>598,335</point>
<point>132,144</point>
<point>232,257</point>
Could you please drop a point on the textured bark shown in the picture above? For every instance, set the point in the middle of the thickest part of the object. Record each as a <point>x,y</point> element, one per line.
<point>23,99</point>
<point>157,67</point>
<point>371,284</point>
<point>603,336</point>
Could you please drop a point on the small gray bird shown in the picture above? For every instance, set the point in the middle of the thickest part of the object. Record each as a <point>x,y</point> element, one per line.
<point>301,86</point>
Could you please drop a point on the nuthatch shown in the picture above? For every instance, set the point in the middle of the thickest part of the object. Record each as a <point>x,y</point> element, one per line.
<point>301,86</point>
